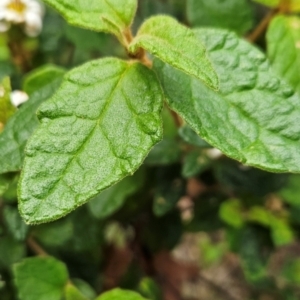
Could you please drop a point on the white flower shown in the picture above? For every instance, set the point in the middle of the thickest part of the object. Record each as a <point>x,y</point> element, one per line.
<point>27,12</point>
<point>18,97</point>
<point>214,153</point>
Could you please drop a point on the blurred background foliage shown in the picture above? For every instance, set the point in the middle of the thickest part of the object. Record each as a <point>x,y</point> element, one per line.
<point>191,223</point>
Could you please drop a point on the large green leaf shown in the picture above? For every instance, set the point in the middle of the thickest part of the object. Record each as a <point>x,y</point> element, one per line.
<point>20,127</point>
<point>252,118</point>
<point>284,48</point>
<point>6,107</point>
<point>95,130</point>
<point>40,278</point>
<point>113,16</point>
<point>176,45</point>
<point>118,294</point>
<point>230,14</point>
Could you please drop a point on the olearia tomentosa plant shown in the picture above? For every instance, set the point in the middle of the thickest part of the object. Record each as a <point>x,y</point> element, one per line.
<point>106,115</point>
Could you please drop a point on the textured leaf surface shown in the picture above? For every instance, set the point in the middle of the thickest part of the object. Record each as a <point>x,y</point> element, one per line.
<point>254,116</point>
<point>118,294</point>
<point>6,108</point>
<point>230,14</point>
<point>94,131</point>
<point>111,199</point>
<point>112,16</point>
<point>176,45</point>
<point>284,48</point>
<point>20,127</point>
<point>40,278</point>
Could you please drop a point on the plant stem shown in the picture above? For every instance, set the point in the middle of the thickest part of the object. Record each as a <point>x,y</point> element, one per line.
<point>35,247</point>
<point>262,26</point>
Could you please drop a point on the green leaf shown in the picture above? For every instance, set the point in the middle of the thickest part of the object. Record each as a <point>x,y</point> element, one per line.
<point>96,130</point>
<point>291,271</point>
<point>72,293</point>
<point>41,77</point>
<point>290,5</point>
<point>231,212</point>
<point>176,45</point>
<point>164,153</point>
<point>118,294</point>
<point>235,15</point>
<point>191,137</point>
<point>283,38</point>
<point>195,162</point>
<point>270,3</point>
<point>20,127</point>
<point>253,118</point>
<point>14,223</point>
<point>291,192</point>
<point>11,251</point>
<point>112,16</point>
<point>6,107</point>
<point>40,278</point>
<point>168,191</point>
<point>111,199</point>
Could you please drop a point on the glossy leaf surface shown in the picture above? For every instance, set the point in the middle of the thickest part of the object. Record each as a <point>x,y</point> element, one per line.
<point>254,116</point>
<point>96,130</point>
<point>176,45</point>
<point>113,16</point>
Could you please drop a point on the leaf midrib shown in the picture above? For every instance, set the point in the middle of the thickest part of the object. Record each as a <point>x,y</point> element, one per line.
<point>85,141</point>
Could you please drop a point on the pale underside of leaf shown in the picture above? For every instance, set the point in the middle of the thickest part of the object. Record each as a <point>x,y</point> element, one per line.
<point>283,38</point>
<point>111,16</point>
<point>96,130</point>
<point>254,118</point>
<point>176,45</point>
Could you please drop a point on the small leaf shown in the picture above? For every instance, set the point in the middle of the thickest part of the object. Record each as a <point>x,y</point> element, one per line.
<point>96,130</point>
<point>113,16</point>
<point>14,223</point>
<point>195,162</point>
<point>40,278</point>
<point>11,251</point>
<point>176,45</point>
<point>191,137</point>
<point>291,192</point>
<point>288,5</point>
<point>254,116</point>
<point>231,212</point>
<point>111,199</point>
<point>118,294</point>
<point>6,107</point>
<point>283,38</point>
<point>235,15</point>
<point>20,127</point>
<point>41,77</point>
<point>164,153</point>
<point>72,293</point>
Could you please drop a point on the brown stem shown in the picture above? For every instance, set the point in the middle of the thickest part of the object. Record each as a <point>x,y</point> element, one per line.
<point>262,26</point>
<point>35,247</point>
